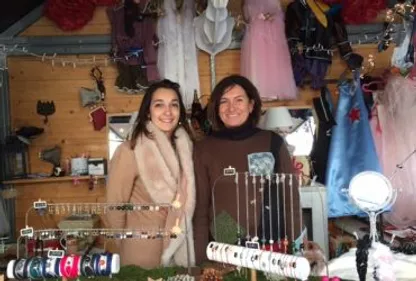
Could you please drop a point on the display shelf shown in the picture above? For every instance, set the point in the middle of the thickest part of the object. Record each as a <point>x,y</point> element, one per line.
<point>49,179</point>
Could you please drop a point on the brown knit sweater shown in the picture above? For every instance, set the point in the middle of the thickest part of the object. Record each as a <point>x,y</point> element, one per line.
<point>211,156</point>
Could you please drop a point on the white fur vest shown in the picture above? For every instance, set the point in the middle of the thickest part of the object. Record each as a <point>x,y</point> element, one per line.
<point>168,176</point>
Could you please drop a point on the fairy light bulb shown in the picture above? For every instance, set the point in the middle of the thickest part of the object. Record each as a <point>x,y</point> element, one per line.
<point>389,15</point>
<point>176,204</point>
<point>176,229</point>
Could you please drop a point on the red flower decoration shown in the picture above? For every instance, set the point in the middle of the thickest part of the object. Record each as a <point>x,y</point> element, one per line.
<point>298,166</point>
<point>70,15</point>
<point>354,114</point>
<point>361,11</point>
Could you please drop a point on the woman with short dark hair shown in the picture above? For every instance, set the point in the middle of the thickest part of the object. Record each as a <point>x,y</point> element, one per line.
<point>234,111</point>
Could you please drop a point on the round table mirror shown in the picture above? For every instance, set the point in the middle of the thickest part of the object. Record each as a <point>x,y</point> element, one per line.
<point>371,191</point>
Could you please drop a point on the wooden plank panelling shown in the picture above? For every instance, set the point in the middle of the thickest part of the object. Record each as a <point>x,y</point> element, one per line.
<point>32,80</point>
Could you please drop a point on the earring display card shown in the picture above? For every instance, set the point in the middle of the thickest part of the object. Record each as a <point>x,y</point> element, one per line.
<point>79,166</point>
<point>97,166</point>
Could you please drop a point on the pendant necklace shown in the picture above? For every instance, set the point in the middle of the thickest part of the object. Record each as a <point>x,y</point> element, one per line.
<point>247,206</point>
<point>278,208</point>
<point>256,238</point>
<point>269,179</point>
<point>262,213</point>
<point>292,220</point>
<point>237,191</point>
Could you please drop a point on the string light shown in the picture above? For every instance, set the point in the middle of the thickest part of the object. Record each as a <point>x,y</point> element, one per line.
<point>74,62</point>
<point>366,69</point>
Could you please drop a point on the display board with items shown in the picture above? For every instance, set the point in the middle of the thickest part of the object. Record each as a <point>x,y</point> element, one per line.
<point>43,260</point>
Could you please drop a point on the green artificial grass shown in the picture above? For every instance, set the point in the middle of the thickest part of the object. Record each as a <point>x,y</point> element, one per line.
<point>135,273</point>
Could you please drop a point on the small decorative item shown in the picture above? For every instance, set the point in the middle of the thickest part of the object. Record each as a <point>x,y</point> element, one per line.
<point>98,117</point>
<point>213,32</point>
<point>16,158</point>
<point>53,156</point>
<point>97,75</point>
<point>211,274</point>
<point>45,109</point>
<point>97,166</point>
<point>89,96</point>
<point>79,166</point>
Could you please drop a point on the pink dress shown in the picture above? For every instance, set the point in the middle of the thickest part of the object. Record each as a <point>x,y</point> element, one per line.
<point>375,125</point>
<point>265,57</point>
<point>397,115</point>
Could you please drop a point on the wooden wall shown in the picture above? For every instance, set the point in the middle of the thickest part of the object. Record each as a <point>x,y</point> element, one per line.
<point>32,80</point>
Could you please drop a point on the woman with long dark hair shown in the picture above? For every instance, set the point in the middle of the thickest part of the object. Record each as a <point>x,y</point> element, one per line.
<point>155,167</point>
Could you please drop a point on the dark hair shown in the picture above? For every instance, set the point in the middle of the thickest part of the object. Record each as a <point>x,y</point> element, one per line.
<point>144,111</point>
<point>221,88</point>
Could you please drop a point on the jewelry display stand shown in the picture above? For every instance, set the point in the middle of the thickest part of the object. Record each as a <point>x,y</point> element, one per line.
<point>259,250</point>
<point>59,263</point>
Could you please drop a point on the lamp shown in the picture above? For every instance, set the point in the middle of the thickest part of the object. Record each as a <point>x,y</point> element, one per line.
<point>276,118</point>
<point>16,158</point>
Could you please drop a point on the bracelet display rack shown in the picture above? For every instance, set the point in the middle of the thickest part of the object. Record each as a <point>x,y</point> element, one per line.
<point>58,263</point>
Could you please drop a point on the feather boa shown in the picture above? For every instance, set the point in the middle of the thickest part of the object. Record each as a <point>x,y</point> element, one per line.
<point>168,177</point>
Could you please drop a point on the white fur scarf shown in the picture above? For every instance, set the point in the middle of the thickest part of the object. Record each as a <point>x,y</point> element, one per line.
<point>168,176</point>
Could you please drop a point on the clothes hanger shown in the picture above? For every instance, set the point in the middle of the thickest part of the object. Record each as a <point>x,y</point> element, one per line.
<point>372,86</point>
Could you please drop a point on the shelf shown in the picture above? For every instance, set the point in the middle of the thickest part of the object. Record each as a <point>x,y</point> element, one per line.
<point>49,179</point>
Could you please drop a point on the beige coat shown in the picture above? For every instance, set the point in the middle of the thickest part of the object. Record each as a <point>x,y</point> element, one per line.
<point>151,173</point>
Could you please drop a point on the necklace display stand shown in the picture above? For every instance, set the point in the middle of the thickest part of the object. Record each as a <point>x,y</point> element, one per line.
<point>258,254</point>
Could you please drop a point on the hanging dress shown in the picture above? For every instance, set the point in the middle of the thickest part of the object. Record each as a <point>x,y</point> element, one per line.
<point>398,114</point>
<point>265,58</point>
<point>319,155</point>
<point>351,151</point>
<point>136,56</point>
<point>400,57</point>
<point>177,53</point>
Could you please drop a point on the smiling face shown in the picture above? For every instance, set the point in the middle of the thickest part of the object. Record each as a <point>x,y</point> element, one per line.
<point>165,110</point>
<point>235,107</point>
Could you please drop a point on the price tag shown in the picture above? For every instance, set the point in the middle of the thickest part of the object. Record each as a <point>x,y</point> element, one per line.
<point>230,171</point>
<point>28,232</point>
<point>252,245</point>
<point>55,254</point>
<point>40,204</point>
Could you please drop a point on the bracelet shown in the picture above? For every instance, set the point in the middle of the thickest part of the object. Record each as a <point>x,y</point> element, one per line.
<point>69,267</point>
<point>102,265</point>
<point>95,262</point>
<point>75,266</point>
<point>87,266</point>
<point>35,268</point>
<point>108,265</point>
<point>19,268</point>
<point>64,265</point>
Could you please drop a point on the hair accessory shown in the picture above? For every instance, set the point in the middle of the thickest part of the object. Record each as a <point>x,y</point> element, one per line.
<point>45,109</point>
<point>98,117</point>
